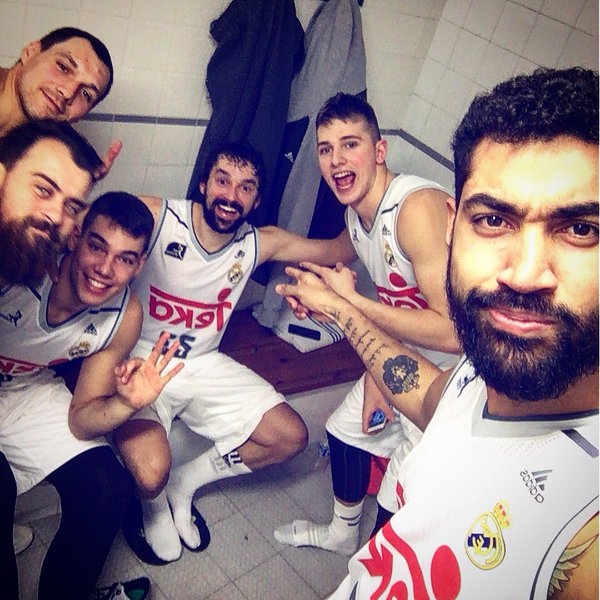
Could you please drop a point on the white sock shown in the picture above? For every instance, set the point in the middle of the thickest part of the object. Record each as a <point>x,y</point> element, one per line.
<point>340,536</point>
<point>189,477</point>
<point>160,531</point>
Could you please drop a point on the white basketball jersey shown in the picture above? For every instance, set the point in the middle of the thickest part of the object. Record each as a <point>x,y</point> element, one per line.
<point>188,291</point>
<point>28,343</point>
<point>391,271</point>
<point>487,504</point>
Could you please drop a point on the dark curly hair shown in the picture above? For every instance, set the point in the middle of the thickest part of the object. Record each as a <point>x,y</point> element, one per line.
<point>541,106</point>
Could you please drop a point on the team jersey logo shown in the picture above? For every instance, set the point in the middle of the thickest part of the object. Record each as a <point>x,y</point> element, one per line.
<point>535,482</point>
<point>484,543</point>
<point>388,256</point>
<point>176,250</point>
<point>236,274</point>
<point>400,293</point>
<point>81,349</point>
<point>91,330</point>
<point>12,318</point>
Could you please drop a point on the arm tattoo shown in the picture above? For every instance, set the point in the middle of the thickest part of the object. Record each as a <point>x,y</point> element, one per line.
<point>401,374</point>
<point>567,563</point>
<point>356,340</point>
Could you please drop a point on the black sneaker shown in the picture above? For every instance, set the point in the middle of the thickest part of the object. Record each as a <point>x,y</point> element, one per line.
<point>136,589</point>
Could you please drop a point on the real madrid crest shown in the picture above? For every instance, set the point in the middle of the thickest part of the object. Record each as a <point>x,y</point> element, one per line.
<point>484,543</point>
<point>388,255</point>
<point>81,349</point>
<point>235,273</point>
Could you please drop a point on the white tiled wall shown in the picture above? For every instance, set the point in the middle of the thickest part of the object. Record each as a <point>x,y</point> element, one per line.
<point>479,43</point>
<point>425,61</point>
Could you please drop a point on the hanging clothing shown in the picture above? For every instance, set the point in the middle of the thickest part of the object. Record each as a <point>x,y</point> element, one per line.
<point>335,62</point>
<point>248,78</point>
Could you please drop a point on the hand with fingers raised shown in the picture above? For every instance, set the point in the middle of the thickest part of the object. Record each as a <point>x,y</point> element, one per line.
<point>139,382</point>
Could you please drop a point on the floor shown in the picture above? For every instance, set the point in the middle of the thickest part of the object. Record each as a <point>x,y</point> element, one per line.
<point>243,560</point>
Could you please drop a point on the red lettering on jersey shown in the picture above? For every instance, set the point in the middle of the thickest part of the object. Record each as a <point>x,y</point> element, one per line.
<point>12,366</point>
<point>400,495</point>
<point>400,294</point>
<point>444,570</point>
<point>189,313</point>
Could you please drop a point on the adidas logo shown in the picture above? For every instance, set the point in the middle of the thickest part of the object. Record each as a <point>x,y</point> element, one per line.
<point>385,230</point>
<point>91,330</point>
<point>535,482</point>
<point>355,235</point>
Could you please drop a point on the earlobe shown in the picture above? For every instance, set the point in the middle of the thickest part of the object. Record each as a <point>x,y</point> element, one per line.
<point>451,215</point>
<point>202,188</point>
<point>2,173</point>
<point>32,49</point>
<point>140,264</point>
<point>380,151</point>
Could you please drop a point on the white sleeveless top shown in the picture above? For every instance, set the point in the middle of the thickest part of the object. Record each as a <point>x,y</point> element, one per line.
<point>188,291</point>
<point>28,343</point>
<point>391,271</point>
<point>488,504</point>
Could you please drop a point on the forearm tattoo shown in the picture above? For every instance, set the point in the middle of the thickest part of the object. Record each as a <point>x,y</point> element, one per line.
<point>365,344</point>
<point>401,374</point>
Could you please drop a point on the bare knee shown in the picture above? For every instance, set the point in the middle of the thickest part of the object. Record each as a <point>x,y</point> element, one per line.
<point>151,475</point>
<point>145,450</point>
<point>290,435</point>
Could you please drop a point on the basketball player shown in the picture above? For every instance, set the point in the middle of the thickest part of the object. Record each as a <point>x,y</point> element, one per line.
<point>203,256</point>
<point>396,224</point>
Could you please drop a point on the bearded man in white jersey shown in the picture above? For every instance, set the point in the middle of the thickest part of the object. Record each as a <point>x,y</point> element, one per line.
<point>201,259</point>
<point>500,498</point>
<point>48,433</point>
<point>46,173</point>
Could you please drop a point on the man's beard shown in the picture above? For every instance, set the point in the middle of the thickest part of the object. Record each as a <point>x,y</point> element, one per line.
<point>211,218</point>
<point>524,369</point>
<point>26,261</point>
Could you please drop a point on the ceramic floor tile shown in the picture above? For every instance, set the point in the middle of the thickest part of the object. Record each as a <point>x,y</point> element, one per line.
<point>248,489</point>
<point>275,510</point>
<point>275,580</point>
<point>121,564</point>
<point>313,494</point>
<point>229,592</point>
<point>237,546</point>
<point>193,577</point>
<point>321,570</point>
<point>213,504</point>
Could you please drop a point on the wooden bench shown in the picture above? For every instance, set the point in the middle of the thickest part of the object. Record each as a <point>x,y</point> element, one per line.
<point>287,369</point>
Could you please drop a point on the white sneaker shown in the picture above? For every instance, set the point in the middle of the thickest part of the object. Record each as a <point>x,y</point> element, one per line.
<point>22,537</point>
